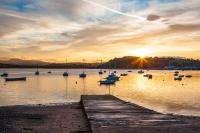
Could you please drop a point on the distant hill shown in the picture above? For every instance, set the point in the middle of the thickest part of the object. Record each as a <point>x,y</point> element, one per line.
<point>127,62</point>
<point>16,61</point>
<point>132,62</point>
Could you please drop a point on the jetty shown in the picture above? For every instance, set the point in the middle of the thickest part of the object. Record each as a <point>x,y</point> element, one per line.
<point>108,114</point>
<point>93,114</point>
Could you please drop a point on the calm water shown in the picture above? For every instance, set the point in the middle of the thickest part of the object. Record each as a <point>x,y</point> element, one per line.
<point>162,93</point>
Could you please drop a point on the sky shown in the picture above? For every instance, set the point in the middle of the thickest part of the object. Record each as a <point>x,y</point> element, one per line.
<point>51,30</point>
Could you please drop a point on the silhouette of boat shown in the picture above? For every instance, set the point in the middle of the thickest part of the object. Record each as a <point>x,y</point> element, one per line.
<point>107,82</point>
<point>82,75</point>
<point>124,74</point>
<point>16,79</point>
<point>4,75</point>
<point>140,71</point>
<point>65,74</point>
<point>188,76</point>
<point>49,72</point>
<point>37,73</point>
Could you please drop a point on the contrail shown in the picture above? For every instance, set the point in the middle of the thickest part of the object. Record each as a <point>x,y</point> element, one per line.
<point>115,11</point>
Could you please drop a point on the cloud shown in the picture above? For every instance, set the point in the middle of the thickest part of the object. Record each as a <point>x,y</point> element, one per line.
<point>58,28</point>
<point>152,17</point>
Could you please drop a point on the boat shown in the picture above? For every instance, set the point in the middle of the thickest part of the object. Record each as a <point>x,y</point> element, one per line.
<point>16,79</point>
<point>104,71</point>
<point>124,74</point>
<point>49,72</point>
<point>4,75</point>
<point>140,71</point>
<point>37,72</point>
<point>82,75</point>
<point>107,82</point>
<point>115,72</point>
<point>178,78</point>
<point>181,76</point>
<point>65,74</point>
<point>188,76</point>
<point>175,74</point>
<point>100,72</point>
<point>130,71</point>
<point>112,76</point>
<point>150,76</point>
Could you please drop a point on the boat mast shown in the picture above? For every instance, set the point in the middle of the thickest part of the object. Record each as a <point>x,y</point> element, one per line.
<point>83,65</point>
<point>66,66</point>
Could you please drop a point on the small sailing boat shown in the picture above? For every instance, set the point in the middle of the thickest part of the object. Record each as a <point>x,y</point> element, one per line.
<point>82,75</point>
<point>101,71</point>
<point>16,79</point>
<point>37,72</point>
<point>4,75</point>
<point>140,71</point>
<point>65,74</point>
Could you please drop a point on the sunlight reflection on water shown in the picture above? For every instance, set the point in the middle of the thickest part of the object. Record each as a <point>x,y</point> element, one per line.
<point>161,93</point>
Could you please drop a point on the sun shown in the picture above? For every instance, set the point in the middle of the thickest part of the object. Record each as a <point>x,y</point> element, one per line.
<point>143,52</point>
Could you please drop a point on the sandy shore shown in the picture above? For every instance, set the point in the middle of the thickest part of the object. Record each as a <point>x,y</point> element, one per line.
<point>67,118</point>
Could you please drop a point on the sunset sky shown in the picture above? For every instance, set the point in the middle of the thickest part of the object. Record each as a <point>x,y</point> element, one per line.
<point>52,30</point>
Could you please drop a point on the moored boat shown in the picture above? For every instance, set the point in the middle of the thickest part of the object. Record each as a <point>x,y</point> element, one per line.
<point>140,71</point>
<point>124,74</point>
<point>188,76</point>
<point>107,82</point>
<point>4,75</point>
<point>16,79</point>
<point>82,75</point>
<point>178,78</point>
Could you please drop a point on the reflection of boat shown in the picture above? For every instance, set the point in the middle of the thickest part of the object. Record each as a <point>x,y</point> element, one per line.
<point>65,74</point>
<point>188,76</point>
<point>124,74</point>
<point>4,75</point>
<point>16,79</point>
<point>140,71</point>
<point>178,78</point>
<point>107,82</point>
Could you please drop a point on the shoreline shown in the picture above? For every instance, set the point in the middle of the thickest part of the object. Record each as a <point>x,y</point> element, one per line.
<point>42,118</point>
<point>83,117</point>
